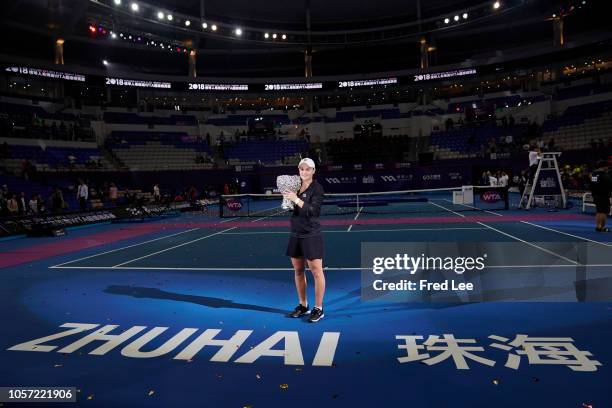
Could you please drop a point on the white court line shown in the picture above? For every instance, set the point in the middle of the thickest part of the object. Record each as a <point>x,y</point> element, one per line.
<point>180,245</point>
<point>357,216</point>
<point>125,247</point>
<point>568,234</point>
<point>235,218</point>
<point>358,213</point>
<point>533,245</point>
<point>174,247</point>
<point>271,215</point>
<point>141,243</point>
<point>515,237</point>
<point>475,208</point>
<point>365,230</point>
<point>447,209</point>
<point>325,268</point>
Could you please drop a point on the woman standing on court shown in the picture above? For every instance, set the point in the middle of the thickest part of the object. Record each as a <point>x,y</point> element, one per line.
<point>306,241</point>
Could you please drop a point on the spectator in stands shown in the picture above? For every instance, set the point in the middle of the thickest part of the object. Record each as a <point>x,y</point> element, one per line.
<point>503,179</point>
<point>57,200</point>
<point>33,204</point>
<point>551,144</point>
<point>492,179</point>
<point>82,194</point>
<point>484,179</point>
<point>12,206</point>
<point>601,187</point>
<point>3,203</point>
<point>566,176</point>
<point>449,124</point>
<point>192,194</point>
<point>26,168</point>
<point>492,146</point>
<point>23,204</point>
<point>156,193</point>
<point>40,203</point>
<point>483,150</point>
<point>5,151</point>
<point>112,193</point>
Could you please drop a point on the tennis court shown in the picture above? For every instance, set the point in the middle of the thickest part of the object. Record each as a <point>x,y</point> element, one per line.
<point>163,284</point>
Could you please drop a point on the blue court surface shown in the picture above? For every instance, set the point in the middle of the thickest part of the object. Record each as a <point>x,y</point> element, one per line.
<point>191,313</point>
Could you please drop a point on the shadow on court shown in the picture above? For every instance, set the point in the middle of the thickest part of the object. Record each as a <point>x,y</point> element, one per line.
<point>217,303</point>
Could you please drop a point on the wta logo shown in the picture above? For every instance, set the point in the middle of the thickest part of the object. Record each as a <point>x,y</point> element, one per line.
<point>233,204</point>
<point>491,196</point>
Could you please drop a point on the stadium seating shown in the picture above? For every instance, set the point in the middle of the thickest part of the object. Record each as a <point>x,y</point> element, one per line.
<point>264,151</point>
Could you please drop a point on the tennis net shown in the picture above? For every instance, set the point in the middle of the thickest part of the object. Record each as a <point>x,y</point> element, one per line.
<point>466,198</point>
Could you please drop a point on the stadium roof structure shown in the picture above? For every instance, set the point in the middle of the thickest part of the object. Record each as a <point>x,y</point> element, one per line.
<point>257,38</point>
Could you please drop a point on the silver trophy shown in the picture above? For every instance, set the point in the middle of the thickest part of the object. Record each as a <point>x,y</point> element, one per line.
<point>288,183</point>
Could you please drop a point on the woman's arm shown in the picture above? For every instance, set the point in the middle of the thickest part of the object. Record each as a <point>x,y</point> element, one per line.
<point>313,209</point>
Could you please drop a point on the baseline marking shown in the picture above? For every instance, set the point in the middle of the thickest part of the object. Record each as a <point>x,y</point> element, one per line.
<point>326,268</point>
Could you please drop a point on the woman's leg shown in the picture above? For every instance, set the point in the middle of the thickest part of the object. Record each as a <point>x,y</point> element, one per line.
<point>300,279</point>
<point>316,267</point>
